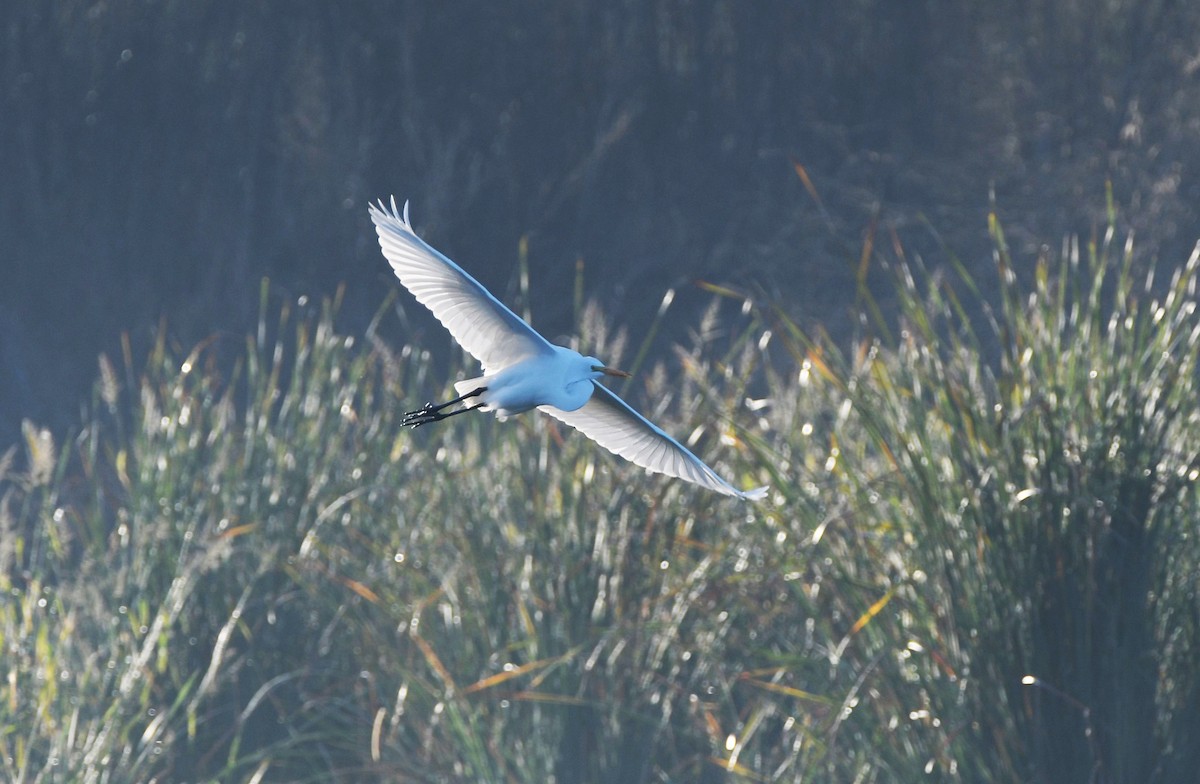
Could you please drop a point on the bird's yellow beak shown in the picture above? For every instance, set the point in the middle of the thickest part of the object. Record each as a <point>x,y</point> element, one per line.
<point>612,372</point>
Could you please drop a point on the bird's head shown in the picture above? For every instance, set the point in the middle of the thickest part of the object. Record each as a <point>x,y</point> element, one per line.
<point>598,369</point>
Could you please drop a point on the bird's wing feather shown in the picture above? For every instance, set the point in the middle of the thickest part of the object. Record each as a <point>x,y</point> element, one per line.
<point>613,424</point>
<point>488,331</point>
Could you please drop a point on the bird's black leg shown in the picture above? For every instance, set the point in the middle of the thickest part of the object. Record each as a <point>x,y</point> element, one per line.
<point>431,413</point>
<point>424,418</point>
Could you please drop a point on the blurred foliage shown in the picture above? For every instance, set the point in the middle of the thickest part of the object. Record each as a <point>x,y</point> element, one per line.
<point>978,560</point>
<point>161,157</point>
<point>1046,503</point>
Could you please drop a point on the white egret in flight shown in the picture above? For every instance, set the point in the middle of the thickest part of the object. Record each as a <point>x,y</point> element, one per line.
<point>523,370</point>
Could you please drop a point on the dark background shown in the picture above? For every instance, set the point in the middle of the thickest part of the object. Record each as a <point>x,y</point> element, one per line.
<point>158,158</point>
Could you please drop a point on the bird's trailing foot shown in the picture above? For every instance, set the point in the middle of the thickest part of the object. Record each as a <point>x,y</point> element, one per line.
<point>433,413</point>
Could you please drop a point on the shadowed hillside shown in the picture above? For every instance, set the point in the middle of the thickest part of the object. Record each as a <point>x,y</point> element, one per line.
<point>159,158</point>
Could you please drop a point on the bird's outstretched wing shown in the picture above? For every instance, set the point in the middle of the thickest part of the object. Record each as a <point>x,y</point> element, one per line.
<point>613,424</point>
<point>488,331</point>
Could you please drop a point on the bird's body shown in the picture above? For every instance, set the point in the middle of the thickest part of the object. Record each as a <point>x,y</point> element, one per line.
<point>521,369</point>
<point>561,378</point>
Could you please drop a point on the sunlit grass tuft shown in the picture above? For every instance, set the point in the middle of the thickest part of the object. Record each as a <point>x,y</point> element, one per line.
<point>1033,473</point>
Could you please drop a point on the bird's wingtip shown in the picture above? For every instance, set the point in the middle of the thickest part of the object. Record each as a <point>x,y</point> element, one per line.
<point>757,494</point>
<point>379,212</point>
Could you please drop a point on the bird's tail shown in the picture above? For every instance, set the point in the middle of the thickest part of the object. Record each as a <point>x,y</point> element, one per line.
<point>468,385</point>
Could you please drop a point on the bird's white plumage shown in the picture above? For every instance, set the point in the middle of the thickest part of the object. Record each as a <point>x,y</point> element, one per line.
<point>488,331</point>
<point>499,339</point>
<point>613,424</point>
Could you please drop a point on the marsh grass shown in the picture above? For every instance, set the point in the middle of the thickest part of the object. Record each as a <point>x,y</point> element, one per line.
<point>973,567</point>
<point>1043,506</point>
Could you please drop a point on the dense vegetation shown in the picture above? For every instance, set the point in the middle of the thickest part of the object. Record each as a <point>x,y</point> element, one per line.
<point>978,562</point>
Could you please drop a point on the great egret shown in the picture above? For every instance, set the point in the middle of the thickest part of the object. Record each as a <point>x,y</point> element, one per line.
<point>523,370</point>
